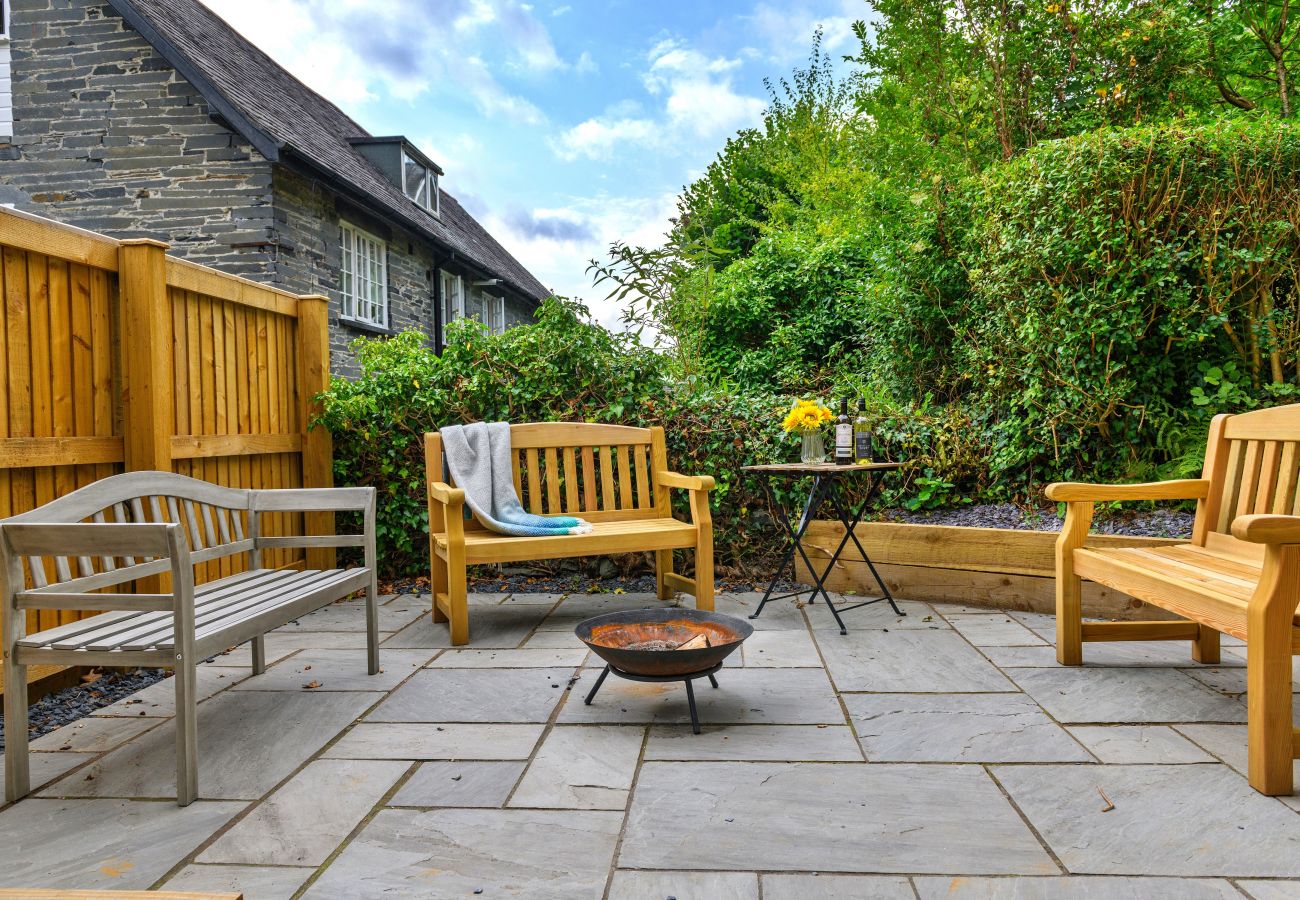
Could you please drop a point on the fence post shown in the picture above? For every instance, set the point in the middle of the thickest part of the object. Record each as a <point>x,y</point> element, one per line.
<point>147,415</point>
<point>317,445</point>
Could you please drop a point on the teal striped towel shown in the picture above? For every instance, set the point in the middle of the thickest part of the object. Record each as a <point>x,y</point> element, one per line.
<point>480,462</point>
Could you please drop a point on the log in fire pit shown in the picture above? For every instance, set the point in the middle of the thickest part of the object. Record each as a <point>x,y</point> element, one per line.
<point>659,645</point>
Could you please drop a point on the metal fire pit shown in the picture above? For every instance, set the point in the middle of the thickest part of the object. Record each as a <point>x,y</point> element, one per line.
<point>615,637</point>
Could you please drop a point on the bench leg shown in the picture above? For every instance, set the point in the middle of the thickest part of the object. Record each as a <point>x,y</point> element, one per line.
<point>438,584</point>
<point>1069,586</point>
<point>372,624</point>
<point>258,648</point>
<point>704,571</point>
<point>1205,649</point>
<point>187,757</point>
<point>663,566</point>
<point>17,775</point>
<point>1271,738</point>
<point>457,598</point>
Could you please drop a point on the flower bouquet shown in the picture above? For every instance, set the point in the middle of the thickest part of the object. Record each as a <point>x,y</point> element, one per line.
<point>807,418</point>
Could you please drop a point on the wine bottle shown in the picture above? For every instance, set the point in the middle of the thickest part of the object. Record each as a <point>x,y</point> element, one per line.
<point>861,435</point>
<point>844,435</point>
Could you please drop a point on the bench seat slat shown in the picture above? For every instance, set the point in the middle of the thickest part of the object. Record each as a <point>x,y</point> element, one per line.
<point>154,629</point>
<point>605,537</point>
<point>102,628</point>
<point>214,613</point>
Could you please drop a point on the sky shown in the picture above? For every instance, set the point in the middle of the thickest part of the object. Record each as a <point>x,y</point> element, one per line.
<point>562,125</point>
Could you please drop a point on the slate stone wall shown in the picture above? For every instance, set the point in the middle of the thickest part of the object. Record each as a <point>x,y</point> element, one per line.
<point>107,136</point>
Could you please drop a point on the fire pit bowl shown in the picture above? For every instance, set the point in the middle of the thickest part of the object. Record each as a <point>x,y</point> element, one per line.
<point>611,634</point>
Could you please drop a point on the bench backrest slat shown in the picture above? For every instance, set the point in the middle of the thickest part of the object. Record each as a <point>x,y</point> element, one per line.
<point>1252,461</point>
<point>597,472</point>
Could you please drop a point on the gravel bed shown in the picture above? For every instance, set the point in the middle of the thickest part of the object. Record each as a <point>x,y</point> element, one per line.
<point>72,703</point>
<point>1171,523</point>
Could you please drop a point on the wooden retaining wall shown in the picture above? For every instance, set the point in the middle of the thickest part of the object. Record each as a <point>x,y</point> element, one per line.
<point>991,567</point>
<point>115,357</point>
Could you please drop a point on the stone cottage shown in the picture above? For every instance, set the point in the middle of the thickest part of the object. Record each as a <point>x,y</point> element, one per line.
<point>155,118</point>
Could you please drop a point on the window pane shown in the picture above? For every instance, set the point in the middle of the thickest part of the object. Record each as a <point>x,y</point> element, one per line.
<point>416,181</point>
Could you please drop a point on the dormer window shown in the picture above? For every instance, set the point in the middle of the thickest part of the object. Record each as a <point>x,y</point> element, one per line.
<point>413,173</point>
<point>420,183</point>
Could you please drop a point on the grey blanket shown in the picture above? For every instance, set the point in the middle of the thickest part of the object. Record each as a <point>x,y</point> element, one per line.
<point>479,459</point>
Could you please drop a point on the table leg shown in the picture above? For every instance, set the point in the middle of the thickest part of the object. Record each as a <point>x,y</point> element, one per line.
<point>850,527</point>
<point>810,510</point>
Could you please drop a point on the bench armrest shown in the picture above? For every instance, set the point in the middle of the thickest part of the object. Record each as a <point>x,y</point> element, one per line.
<point>1267,529</point>
<point>1185,489</point>
<point>88,539</point>
<point>685,482</point>
<point>445,494</point>
<point>340,499</point>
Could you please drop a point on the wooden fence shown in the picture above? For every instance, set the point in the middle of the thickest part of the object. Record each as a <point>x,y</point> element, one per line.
<point>115,357</point>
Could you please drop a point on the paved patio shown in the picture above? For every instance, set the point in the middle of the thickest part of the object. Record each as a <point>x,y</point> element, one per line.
<point>939,755</point>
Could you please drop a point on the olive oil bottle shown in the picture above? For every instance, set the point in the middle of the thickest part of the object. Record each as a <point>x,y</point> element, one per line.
<point>861,435</point>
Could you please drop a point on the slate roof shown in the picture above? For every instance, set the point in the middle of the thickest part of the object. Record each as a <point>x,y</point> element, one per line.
<point>287,121</point>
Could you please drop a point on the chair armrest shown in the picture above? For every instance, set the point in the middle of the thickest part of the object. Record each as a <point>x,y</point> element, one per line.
<point>340,499</point>
<point>685,482</point>
<point>1267,529</point>
<point>1185,489</point>
<point>445,494</point>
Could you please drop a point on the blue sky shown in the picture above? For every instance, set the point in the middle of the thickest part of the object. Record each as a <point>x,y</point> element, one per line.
<point>562,124</point>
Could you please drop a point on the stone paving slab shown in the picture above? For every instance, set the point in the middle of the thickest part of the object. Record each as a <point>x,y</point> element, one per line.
<point>994,631</point>
<point>281,643</point>
<point>984,728</point>
<point>430,741</point>
<point>1132,695</point>
<point>836,887</point>
<point>248,742</point>
<point>778,615</point>
<point>102,844</point>
<point>1228,743</point>
<point>475,695</point>
<point>1164,654</point>
<point>512,659</point>
<point>1271,890</point>
<point>576,608</point>
<point>1167,820</point>
<point>755,743</point>
<point>159,699</point>
<point>916,616</point>
<point>743,696</point>
<point>242,656</point>
<point>476,784</point>
<point>43,768</point>
<point>306,818</point>
<point>553,640</point>
<point>1074,888</point>
<point>628,885</point>
<point>489,626</point>
<point>913,661</point>
<point>1126,744</point>
<point>780,649</point>
<point>350,616</point>
<point>94,734</point>
<point>337,670</point>
<point>538,854</point>
<point>582,767</point>
<point>255,882</point>
<point>828,817</point>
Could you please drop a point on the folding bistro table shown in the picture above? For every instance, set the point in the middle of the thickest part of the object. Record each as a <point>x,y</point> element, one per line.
<point>826,488</point>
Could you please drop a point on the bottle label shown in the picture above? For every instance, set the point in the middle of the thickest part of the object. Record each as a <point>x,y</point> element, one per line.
<point>844,441</point>
<point>863,445</point>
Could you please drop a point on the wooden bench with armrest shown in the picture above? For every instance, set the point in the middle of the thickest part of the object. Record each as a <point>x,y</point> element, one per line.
<point>148,525</point>
<point>1239,574</point>
<point>613,476</point>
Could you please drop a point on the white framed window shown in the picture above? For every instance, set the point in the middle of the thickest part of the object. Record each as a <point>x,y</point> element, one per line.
<point>496,314</point>
<point>6,86</point>
<point>420,183</point>
<point>365,276</point>
<point>453,300</point>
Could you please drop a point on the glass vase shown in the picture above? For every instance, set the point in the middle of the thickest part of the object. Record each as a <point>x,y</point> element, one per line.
<point>812,449</point>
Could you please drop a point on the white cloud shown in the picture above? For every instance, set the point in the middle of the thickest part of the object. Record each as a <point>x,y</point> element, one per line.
<point>787,29</point>
<point>699,103</point>
<point>357,51</point>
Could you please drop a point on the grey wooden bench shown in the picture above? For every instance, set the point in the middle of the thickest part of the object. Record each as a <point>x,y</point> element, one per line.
<point>152,526</point>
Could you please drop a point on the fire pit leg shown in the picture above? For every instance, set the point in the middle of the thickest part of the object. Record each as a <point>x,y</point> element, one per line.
<point>713,681</point>
<point>595,687</point>
<point>690,698</point>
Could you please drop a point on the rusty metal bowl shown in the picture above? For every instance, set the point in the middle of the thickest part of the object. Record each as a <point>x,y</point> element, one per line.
<point>609,636</point>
